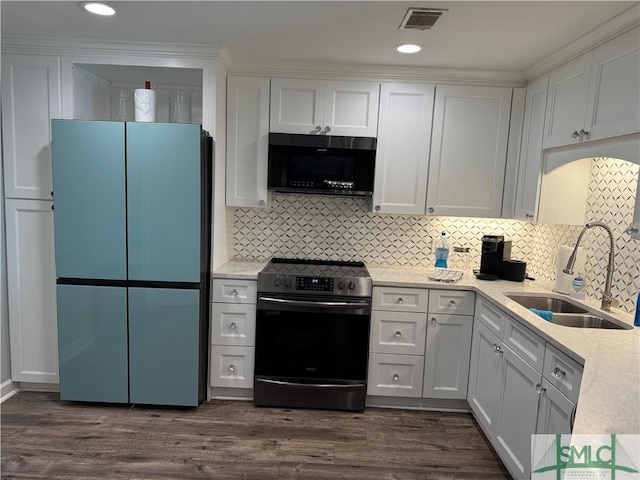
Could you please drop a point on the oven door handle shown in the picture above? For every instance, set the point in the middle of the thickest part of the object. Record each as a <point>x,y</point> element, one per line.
<point>311,385</point>
<point>314,304</point>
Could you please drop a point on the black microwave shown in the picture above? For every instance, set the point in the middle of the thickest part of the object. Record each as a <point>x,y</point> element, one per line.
<point>321,164</point>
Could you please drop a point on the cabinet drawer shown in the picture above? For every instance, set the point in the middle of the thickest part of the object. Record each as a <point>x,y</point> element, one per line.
<point>562,372</point>
<point>395,375</point>
<point>528,345</point>
<point>399,299</point>
<point>234,291</point>
<point>398,332</point>
<point>233,324</point>
<point>232,366</point>
<point>491,316</point>
<point>451,302</point>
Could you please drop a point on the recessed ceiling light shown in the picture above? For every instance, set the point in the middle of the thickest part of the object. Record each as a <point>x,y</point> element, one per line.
<point>98,8</point>
<point>408,48</point>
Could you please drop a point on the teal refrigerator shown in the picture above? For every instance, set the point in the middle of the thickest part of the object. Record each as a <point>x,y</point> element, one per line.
<point>132,219</point>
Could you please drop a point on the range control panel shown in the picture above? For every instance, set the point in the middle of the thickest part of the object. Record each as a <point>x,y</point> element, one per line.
<point>316,284</point>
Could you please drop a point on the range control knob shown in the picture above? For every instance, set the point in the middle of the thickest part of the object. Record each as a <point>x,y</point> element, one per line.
<point>341,285</point>
<point>352,285</point>
<point>277,282</point>
<point>287,282</point>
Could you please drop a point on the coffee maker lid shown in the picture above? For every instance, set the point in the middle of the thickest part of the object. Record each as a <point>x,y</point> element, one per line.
<point>493,238</point>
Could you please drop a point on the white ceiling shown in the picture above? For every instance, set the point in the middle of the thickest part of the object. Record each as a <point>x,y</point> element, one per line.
<point>483,35</point>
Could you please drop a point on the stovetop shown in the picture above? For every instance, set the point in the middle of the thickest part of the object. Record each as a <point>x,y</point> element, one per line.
<point>319,277</point>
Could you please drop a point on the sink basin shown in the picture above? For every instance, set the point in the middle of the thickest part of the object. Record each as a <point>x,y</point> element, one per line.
<point>582,320</point>
<point>555,305</point>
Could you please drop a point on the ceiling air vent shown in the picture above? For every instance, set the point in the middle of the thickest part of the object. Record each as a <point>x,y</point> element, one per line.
<point>421,18</point>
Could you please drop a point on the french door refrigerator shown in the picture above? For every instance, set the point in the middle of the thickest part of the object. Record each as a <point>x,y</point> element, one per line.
<point>132,219</point>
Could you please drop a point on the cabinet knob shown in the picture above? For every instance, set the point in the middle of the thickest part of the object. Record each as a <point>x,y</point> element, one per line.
<point>318,129</point>
<point>431,209</point>
<point>540,389</point>
<point>433,321</point>
<point>632,229</point>
<point>558,372</point>
<point>233,326</point>
<point>232,369</point>
<point>400,300</point>
<point>377,208</point>
<point>327,129</point>
<point>397,334</point>
<point>528,216</point>
<point>234,292</point>
<point>51,193</point>
<point>262,203</point>
<point>497,350</point>
<point>396,378</point>
<point>584,133</point>
<point>452,304</point>
<point>575,134</point>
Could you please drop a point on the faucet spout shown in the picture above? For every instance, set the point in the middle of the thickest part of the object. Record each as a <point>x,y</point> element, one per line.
<point>607,299</point>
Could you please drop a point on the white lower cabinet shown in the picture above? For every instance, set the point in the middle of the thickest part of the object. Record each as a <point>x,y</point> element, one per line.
<point>418,355</point>
<point>512,387</point>
<point>233,327</point>
<point>31,281</point>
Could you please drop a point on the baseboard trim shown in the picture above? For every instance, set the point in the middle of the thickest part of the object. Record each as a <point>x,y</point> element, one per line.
<point>38,387</point>
<point>7,390</point>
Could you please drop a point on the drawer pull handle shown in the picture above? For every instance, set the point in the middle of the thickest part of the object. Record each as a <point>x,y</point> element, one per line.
<point>233,326</point>
<point>397,334</point>
<point>540,389</point>
<point>396,378</point>
<point>497,350</point>
<point>434,321</point>
<point>558,372</point>
<point>234,292</point>
<point>232,369</point>
<point>400,300</point>
<point>452,304</point>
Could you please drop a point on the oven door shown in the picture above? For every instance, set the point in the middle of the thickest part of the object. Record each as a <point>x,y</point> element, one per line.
<point>311,352</point>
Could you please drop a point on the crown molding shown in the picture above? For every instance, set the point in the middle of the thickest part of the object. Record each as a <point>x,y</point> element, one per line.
<point>55,46</point>
<point>625,21</point>
<point>494,78</point>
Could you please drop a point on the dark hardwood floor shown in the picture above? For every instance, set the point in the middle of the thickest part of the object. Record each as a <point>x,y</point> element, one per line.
<point>45,438</point>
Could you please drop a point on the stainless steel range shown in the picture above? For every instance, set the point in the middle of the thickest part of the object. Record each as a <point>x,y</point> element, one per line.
<point>312,334</point>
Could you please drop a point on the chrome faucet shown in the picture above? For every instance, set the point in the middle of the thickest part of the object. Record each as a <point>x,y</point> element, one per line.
<point>607,299</point>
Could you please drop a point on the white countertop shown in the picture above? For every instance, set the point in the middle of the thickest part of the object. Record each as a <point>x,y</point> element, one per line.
<point>610,390</point>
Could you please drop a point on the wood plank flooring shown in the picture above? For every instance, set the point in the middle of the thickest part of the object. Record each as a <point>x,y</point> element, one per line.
<point>45,438</point>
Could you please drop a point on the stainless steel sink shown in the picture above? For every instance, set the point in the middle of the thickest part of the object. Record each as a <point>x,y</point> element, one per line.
<point>555,305</point>
<point>566,313</point>
<point>581,320</point>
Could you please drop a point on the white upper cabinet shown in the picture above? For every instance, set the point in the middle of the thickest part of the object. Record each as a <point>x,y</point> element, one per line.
<point>324,107</point>
<point>402,156</point>
<point>30,99</point>
<point>530,166</point>
<point>247,141</point>
<point>595,96</point>
<point>468,151</point>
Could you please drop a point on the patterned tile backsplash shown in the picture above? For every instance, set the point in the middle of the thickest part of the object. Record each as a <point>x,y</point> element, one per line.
<point>343,228</point>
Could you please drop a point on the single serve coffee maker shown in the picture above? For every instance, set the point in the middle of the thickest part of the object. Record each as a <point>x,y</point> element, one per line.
<point>496,262</point>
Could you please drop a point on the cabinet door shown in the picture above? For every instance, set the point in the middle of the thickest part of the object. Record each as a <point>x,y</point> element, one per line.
<point>30,99</point>
<point>555,411</point>
<point>446,361</point>
<point>566,102</point>
<point>89,178</point>
<point>31,277</point>
<point>485,378</point>
<point>92,336</point>
<point>247,141</point>
<point>468,151</point>
<point>518,409</point>
<point>164,347</point>
<point>163,202</point>
<point>351,108</point>
<point>402,155</point>
<point>530,167</point>
<point>296,106</point>
<point>613,108</point>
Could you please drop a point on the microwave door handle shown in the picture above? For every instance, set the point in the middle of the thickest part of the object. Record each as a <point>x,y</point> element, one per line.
<point>312,304</point>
